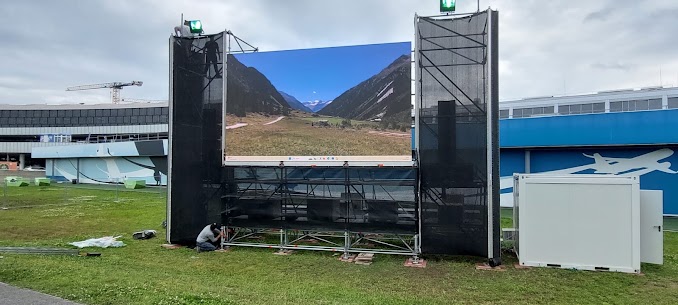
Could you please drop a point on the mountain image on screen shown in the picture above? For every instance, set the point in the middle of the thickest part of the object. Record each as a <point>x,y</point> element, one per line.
<point>342,101</point>
<point>250,91</point>
<point>317,105</point>
<point>384,96</point>
<point>295,103</point>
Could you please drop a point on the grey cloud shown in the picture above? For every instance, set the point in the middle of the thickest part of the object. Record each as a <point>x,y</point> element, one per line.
<point>612,66</point>
<point>587,44</point>
<point>601,15</point>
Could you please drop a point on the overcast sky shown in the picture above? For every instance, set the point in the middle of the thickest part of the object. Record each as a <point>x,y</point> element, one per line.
<point>546,47</point>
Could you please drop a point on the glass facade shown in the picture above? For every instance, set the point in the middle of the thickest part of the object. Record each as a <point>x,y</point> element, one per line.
<point>533,111</point>
<point>84,117</point>
<point>582,108</point>
<point>637,105</point>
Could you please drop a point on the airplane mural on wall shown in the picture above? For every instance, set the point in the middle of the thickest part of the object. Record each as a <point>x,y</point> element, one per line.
<point>635,166</point>
<point>644,163</point>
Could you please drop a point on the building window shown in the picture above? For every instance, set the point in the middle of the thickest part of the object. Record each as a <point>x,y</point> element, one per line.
<point>655,104</point>
<point>581,108</point>
<point>503,114</point>
<point>673,102</point>
<point>636,105</point>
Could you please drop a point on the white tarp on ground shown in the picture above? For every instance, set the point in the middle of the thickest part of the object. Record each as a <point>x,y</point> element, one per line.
<point>103,242</point>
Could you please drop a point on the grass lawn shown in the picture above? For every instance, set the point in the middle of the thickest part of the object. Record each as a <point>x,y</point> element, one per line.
<point>144,273</point>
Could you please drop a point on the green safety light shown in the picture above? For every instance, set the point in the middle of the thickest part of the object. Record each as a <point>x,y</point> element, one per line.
<point>447,6</point>
<point>195,26</point>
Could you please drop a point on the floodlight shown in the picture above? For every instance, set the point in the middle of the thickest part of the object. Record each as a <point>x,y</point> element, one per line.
<point>448,6</point>
<point>195,26</point>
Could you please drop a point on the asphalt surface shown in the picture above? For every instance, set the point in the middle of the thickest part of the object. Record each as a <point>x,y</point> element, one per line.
<point>10,295</point>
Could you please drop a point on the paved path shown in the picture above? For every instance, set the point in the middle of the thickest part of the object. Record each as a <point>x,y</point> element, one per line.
<point>11,295</point>
<point>390,134</point>
<point>275,121</point>
<point>234,126</point>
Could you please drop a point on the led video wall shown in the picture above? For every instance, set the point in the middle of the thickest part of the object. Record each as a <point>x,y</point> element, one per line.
<point>325,104</point>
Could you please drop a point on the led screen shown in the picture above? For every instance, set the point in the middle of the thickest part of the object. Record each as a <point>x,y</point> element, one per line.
<point>319,104</point>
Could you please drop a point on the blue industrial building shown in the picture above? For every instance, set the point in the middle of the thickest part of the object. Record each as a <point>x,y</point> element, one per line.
<point>625,132</point>
<point>622,132</point>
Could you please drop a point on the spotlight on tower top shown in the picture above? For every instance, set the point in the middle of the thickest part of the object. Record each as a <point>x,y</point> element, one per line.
<point>195,26</point>
<point>448,6</point>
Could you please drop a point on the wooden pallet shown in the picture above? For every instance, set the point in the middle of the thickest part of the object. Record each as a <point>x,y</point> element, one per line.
<point>364,259</point>
<point>420,263</point>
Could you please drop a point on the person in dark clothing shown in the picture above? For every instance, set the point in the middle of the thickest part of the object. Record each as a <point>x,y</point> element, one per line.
<point>157,176</point>
<point>211,57</point>
<point>206,240</point>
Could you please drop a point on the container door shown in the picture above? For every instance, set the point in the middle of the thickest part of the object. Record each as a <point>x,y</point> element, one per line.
<point>651,227</point>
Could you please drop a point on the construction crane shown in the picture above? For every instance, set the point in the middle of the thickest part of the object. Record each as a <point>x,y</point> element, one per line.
<point>136,100</point>
<point>115,88</point>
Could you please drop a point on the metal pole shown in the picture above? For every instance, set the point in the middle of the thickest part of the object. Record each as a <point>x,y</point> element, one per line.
<point>117,184</point>
<point>282,232</point>
<point>223,231</point>
<point>347,243</point>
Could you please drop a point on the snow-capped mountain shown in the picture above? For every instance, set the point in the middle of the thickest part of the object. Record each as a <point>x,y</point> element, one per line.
<point>316,105</point>
<point>294,102</point>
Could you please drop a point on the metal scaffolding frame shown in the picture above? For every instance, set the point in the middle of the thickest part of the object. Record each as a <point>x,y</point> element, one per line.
<point>442,55</point>
<point>292,227</point>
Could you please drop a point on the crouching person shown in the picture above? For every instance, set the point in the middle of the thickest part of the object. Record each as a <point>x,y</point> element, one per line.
<point>207,241</point>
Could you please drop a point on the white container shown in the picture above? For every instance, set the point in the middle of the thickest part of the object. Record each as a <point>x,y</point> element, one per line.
<point>587,222</point>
